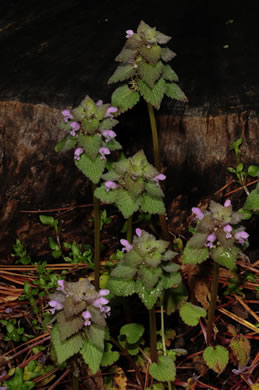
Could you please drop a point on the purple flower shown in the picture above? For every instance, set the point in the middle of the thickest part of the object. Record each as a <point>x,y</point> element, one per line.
<point>103,292</point>
<point>99,103</point>
<point>228,229</point>
<point>77,153</point>
<point>108,134</point>
<point>99,302</point>
<point>227,203</point>
<point>8,310</point>
<point>241,237</point>
<point>104,151</point>
<point>106,310</point>
<point>110,185</point>
<point>86,316</point>
<point>126,245</point>
<point>198,213</point>
<point>161,176</point>
<point>129,33</point>
<point>138,232</point>
<point>210,239</point>
<point>67,115</point>
<point>149,46</point>
<point>110,111</point>
<point>61,285</point>
<point>56,306</point>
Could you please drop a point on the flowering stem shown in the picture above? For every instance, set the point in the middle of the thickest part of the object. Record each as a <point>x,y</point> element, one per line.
<point>153,338</point>
<point>96,240</point>
<point>163,339</point>
<point>154,136</point>
<point>153,125</point>
<point>214,294</point>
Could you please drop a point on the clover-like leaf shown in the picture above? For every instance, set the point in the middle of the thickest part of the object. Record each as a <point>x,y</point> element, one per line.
<point>164,371</point>
<point>216,358</point>
<point>133,332</point>
<point>109,356</point>
<point>190,314</point>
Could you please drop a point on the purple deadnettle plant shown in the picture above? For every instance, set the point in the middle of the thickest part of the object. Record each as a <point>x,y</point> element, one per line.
<point>80,312</point>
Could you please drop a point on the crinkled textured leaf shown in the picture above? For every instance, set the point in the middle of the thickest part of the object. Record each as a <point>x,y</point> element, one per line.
<point>162,38</point>
<point>105,196</point>
<point>172,280</point>
<point>194,255</point>
<point>169,255</point>
<point>153,259</point>
<point>113,145</point>
<point>175,298</point>
<point>68,326</point>
<point>153,95</point>
<point>153,189</point>
<point>134,42</point>
<point>198,240</point>
<point>150,276</point>
<point>151,55</point>
<point>92,355</point>
<point>109,356</point>
<point>225,256</point>
<point>90,125</point>
<point>133,258</point>
<point>133,332</point>
<point>111,175</point>
<point>121,287</point>
<point>252,201</point>
<point>126,55</point>
<point>123,271</point>
<point>149,298</point>
<point>167,54</point>
<point>169,73</point>
<point>108,124</point>
<point>223,240</point>
<point>135,187</point>
<point>165,371</point>
<point>174,91</point>
<point>216,358</point>
<point>126,203</point>
<point>240,347</point>
<point>171,267</point>
<point>121,166</point>
<point>93,169</point>
<point>71,308</point>
<point>152,205</point>
<point>123,72</point>
<point>65,349</point>
<point>124,98</point>
<point>190,314</point>
<point>150,73</point>
<point>66,143</point>
<point>96,316</point>
<point>91,144</point>
<point>95,334</point>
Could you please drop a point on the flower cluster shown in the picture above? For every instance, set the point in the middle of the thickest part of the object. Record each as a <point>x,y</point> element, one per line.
<point>146,268</point>
<point>89,128</point>
<point>220,224</point>
<point>89,305</point>
<point>133,184</point>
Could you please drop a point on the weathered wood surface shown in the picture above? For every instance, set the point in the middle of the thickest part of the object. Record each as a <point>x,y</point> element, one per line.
<point>55,53</point>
